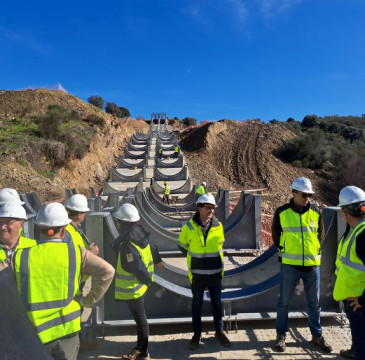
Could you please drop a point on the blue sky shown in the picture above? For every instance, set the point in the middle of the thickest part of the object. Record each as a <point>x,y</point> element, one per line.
<point>208,59</point>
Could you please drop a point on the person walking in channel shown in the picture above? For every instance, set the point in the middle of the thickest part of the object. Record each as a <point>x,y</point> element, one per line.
<point>176,152</point>
<point>135,268</point>
<point>166,193</point>
<point>160,153</point>
<point>201,239</point>
<point>298,231</point>
<point>350,265</point>
<point>47,277</point>
<point>201,189</point>
<point>12,218</point>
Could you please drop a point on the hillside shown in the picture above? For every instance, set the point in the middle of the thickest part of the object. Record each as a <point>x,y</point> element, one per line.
<point>240,156</point>
<point>90,170</point>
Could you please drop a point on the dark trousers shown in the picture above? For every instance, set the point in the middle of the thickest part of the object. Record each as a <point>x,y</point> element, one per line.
<point>357,326</point>
<point>166,198</point>
<point>136,307</point>
<point>176,155</point>
<point>64,349</point>
<point>215,298</point>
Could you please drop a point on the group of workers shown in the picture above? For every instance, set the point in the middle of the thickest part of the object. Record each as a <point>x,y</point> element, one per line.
<point>49,271</point>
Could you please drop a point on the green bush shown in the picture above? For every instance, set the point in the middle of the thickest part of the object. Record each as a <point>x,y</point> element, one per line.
<point>97,101</point>
<point>93,119</point>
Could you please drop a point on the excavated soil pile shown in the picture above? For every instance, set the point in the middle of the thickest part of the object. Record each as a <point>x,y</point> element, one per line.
<point>240,156</point>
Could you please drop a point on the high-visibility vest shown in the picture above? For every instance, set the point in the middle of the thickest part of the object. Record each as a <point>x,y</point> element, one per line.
<point>127,285</point>
<point>299,243</point>
<point>204,256</point>
<point>167,190</point>
<point>350,270</point>
<point>78,240</point>
<point>200,190</point>
<point>47,277</point>
<point>176,149</point>
<point>23,244</point>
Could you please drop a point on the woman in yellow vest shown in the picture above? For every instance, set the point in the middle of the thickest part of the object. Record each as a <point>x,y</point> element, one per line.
<point>350,265</point>
<point>166,193</point>
<point>136,258</point>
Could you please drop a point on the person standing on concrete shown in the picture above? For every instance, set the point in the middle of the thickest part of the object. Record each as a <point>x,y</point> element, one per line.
<point>135,268</point>
<point>201,239</point>
<point>166,193</point>
<point>47,277</point>
<point>201,189</point>
<point>176,152</point>
<point>298,231</point>
<point>160,153</point>
<point>76,206</point>
<point>12,218</point>
<point>350,265</point>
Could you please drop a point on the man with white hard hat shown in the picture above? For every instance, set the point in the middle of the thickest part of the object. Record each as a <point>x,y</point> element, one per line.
<point>9,194</point>
<point>12,218</point>
<point>298,231</point>
<point>201,240</point>
<point>48,275</point>
<point>350,266</point>
<point>77,207</point>
<point>137,255</point>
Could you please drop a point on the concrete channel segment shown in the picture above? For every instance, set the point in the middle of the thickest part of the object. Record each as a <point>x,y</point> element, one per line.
<point>251,281</point>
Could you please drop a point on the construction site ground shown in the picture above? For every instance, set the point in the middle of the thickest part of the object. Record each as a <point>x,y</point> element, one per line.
<point>252,340</point>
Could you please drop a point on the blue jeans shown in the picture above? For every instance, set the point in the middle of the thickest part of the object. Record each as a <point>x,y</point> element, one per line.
<point>289,279</point>
<point>215,297</point>
<point>357,326</point>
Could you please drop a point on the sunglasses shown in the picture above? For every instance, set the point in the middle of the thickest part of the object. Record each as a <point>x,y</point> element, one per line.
<point>303,195</point>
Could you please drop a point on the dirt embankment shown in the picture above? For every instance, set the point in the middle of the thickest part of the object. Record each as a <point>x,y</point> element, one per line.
<point>241,156</point>
<point>91,170</point>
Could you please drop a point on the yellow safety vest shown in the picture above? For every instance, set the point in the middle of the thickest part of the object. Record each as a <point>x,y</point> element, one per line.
<point>176,149</point>
<point>204,257</point>
<point>167,190</point>
<point>200,190</point>
<point>127,285</point>
<point>47,277</point>
<point>350,270</point>
<point>22,244</point>
<point>78,240</point>
<point>299,243</point>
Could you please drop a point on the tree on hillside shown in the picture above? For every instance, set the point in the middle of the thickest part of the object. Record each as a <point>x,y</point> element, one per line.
<point>114,109</point>
<point>310,121</point>
<point>187,121</point>
<point>97,101</point>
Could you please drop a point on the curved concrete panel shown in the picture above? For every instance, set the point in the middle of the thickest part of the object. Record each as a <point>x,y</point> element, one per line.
<point>116,176</point>
<point>124,164</point>
<point>129,155</point>
<point>137,147</point>
<point>174,163</point>
<point>186,188</point>
<point>181,175</point>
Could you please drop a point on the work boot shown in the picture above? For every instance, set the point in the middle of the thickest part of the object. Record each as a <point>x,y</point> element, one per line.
<point>141,357</point>
<point>322,343</point>
<point>280,343</point>
<point>133,355</point>
<point>348,354</point>
<point>194,342</point>
<point>222,338</point>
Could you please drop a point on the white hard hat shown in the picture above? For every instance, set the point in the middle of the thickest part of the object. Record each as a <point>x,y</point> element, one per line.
<point>302,184</point>
<point>206,199</point>
<point>77,202</point>
<point>204,183</point>
<point>13,209</point>
<point>52,215</point>
<point>351,195</point>
<point>128,213</point>
<point>9,194</point>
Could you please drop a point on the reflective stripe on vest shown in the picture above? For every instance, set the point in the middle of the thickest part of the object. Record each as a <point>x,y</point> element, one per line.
<point>350,281</point>
<point>204,256</point>
<point>127,286</point>
<point>47,278</point>
<point>300,244</point>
